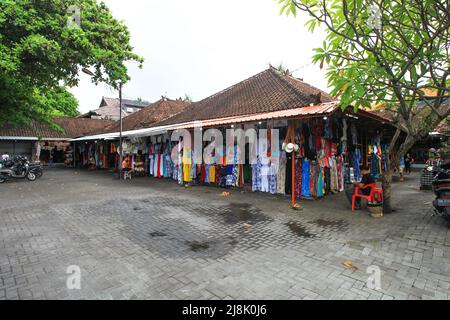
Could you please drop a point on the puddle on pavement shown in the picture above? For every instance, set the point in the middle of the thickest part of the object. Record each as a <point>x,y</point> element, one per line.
<point>299,230</point>
<point>328,223</point>
<point>243,212</point>
<point>157,234</point>
<point>198,246</point>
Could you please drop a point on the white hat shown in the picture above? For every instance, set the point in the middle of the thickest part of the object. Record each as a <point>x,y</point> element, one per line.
<point>290,147</point>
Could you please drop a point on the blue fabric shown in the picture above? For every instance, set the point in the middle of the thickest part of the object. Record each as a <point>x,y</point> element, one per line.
<point>375,166</point>
<point>305,178</point>
<point>256,176</point>
<point>355,164</point>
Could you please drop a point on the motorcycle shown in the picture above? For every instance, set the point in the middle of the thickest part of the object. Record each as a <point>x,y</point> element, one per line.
<point>19,168</point>
<point>36,168</point>
<point>441,188</point>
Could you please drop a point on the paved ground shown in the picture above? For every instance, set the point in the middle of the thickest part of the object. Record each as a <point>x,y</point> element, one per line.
<point>151,239</point>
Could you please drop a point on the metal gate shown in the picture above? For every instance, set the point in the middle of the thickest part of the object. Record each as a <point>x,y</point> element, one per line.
<point>11,147</point>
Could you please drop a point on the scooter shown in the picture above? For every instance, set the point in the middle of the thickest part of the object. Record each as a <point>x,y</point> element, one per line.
<point>18,168</point>
<point>441,187</point>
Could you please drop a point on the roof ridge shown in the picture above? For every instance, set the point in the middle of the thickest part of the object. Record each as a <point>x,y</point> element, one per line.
<point>233,86</point>
<point>299,94</point>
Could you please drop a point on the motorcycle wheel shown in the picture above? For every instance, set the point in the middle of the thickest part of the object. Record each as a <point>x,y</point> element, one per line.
<point>31,176</point>
<point>2,180</point>
<point>447,214</point>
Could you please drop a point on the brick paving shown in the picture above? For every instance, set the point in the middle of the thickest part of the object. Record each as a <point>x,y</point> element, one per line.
<point>151,239</point>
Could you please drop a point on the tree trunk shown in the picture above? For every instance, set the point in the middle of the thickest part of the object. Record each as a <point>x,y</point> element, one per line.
<point>393,162</point>
<point>387,190</point>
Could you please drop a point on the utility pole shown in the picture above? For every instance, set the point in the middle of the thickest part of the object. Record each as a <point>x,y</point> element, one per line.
<point>120,136</point>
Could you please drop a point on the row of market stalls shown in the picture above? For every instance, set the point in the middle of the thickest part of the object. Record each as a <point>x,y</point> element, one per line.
<point>305,143</point>
<point>45,143</point>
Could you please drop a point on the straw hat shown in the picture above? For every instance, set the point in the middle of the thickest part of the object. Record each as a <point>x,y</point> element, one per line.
<point>290,147</point>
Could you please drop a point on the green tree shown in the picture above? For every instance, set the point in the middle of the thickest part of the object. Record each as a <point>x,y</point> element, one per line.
<point>389,52</point>
<point>43,46</point>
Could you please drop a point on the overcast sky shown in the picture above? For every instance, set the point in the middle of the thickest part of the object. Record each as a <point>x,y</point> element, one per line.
<point>200,47</point>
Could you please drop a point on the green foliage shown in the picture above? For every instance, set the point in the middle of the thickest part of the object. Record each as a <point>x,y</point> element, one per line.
<point>393,62</point>
<point>41,53</point>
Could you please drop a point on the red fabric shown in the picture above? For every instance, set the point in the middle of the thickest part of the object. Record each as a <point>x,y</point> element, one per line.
<point>159,166</point>
<point>202,172</point>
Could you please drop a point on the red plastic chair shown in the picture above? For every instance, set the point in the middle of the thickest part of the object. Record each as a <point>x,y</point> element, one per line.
<point>370,198</point>
<point>379,194</point>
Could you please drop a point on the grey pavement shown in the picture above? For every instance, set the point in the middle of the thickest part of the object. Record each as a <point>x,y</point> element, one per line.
<point>152,239</point>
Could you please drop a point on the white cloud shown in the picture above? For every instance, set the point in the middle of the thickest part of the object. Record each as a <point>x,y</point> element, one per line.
<point>200,47</point>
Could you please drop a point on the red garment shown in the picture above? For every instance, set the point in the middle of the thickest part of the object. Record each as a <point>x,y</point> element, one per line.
<point>159,167</point>
<point>327,148</point>
<point>334,148</point>
<point>203,172</point>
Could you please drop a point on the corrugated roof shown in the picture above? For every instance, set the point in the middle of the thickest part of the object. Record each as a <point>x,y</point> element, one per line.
<point>322,109</point>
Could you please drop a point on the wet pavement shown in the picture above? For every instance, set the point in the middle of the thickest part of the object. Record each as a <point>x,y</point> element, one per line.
<point>152,239</point>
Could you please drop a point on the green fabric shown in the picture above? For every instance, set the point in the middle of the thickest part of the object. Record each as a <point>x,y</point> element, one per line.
<point>247,170</point>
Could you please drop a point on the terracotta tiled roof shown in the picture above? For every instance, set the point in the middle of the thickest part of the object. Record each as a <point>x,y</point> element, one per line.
<point>72,128</point>
<point>109,107</point>
<point>267,91</point>
<point>157,111</point>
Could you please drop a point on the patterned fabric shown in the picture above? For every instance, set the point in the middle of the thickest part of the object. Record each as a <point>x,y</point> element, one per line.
<point>256,176</point>
<point>305,178</point>
<point>230,175</point>
<point>281,174</point>
<point>313,179</point>
<point>334,176</point>
<point>298,179</point>
<point>273,178</point>
<point>180,169</point>
<point>265,170</point>
<point>205,173</point>
<point>356,162</point>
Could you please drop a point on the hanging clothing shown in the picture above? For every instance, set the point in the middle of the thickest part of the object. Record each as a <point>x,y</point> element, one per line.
<point>212,174</point>
<point>313,178</point>
<point>288,180</point>
<point>298,179</point>
<point>305,178</point>
<point>265,169</point>
<point>256,176</point>
<point>320,183</point>
<point>356,162</point>
<point>273,178</point>
<point>281,174</point>
<point>334,176</point>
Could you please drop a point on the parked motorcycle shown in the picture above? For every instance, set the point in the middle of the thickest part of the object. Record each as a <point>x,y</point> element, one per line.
<point>19,168</point>
<point>441,187</point>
